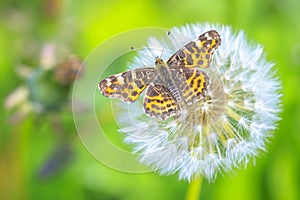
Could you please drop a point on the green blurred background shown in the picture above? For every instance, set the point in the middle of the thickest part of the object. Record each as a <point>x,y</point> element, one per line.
<point>41,156</point>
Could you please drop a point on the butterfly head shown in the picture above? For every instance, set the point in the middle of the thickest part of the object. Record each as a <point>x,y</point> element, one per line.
<point>158,61</point>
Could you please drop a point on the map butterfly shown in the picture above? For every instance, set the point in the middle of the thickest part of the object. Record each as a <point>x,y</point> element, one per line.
<point>170,86</point>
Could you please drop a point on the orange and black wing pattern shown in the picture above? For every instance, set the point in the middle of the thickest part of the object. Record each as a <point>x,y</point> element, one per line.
<point>127,86</point>
<point>197,53</point>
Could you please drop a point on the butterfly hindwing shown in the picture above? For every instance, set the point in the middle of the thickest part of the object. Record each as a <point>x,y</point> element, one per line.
<point>127,86</point>
<point>197,53</point>
<point>192,83</point>
<point>158,102</point>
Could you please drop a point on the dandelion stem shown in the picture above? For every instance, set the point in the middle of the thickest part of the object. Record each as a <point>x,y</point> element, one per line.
<point>194,189</point>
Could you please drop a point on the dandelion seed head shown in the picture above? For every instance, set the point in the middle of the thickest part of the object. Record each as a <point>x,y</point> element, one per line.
<point>223,130</point>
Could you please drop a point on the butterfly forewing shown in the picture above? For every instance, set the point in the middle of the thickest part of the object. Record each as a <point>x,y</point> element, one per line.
<point>127,86</point>
<point>158,102</point>
<point>197,53</point>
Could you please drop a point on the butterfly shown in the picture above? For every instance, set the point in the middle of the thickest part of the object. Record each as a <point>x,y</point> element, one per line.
<point>170,85</point>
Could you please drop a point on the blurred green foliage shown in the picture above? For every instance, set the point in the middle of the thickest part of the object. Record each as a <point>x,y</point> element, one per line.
<point>41,156</point>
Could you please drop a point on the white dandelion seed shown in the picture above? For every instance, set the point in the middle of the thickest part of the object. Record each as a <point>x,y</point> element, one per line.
<point>223,130</point>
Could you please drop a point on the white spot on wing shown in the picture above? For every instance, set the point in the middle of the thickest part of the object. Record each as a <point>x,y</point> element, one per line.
<point>108,83</point>
<point>120,80</point>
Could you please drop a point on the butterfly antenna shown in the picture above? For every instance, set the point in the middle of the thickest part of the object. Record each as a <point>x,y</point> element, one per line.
<point>144,54</point>
<point>164,47</point>
<point>154,58</point>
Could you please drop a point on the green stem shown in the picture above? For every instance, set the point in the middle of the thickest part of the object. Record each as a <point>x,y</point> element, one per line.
<point>194,189</point>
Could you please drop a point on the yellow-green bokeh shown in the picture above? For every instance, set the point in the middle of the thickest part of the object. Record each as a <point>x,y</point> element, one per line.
<point>25,26</point>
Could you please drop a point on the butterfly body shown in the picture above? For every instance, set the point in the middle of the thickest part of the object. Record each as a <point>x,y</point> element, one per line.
<point>166,78</point>
<point>170,86</point>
